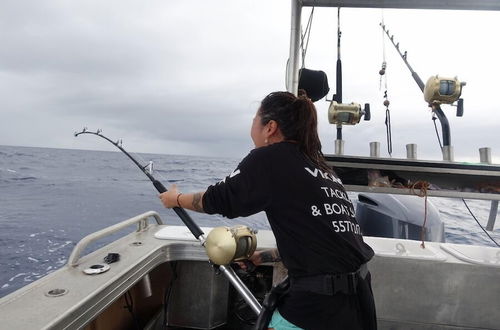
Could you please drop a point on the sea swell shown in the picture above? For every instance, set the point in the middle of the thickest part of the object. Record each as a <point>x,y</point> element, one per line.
<point>51,198</point>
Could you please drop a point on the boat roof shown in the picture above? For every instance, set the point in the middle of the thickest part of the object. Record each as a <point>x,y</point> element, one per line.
<point>408,4</point>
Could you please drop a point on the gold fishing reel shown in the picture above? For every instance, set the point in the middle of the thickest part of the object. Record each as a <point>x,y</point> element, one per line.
<point>227,244</point>
<point>347,114</point>
<point>440,90</point>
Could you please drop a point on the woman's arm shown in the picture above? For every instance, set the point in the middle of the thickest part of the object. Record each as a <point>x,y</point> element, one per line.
<point>173,198</point>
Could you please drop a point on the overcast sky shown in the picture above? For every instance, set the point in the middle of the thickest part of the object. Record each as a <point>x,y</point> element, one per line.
<point>186,77</point>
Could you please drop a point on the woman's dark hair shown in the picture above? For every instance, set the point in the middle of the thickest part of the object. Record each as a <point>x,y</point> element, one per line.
<point>297,121</point>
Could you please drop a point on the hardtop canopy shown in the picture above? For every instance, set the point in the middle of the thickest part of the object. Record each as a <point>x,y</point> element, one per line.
<point>408,4</point>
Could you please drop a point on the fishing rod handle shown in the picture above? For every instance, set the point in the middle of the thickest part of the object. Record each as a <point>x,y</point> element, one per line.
<point>188,221</point>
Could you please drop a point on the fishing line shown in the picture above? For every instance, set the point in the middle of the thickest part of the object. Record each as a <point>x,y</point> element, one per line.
<point>491,238</point>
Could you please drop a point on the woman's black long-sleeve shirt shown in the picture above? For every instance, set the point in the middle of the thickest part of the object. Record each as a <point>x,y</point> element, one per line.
<point>308,209</point>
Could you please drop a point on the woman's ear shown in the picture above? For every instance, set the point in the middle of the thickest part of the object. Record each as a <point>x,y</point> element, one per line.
<point>271,128</point>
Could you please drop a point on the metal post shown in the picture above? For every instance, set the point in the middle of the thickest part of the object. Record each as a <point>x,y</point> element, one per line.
<point>448,153</point>
<point>292,82</point>
<point>493,215</point>
<point>411,151</point>
<point>339,147</point>
<point>145,286</point>
<point>485,157</point>
<point>241,288</point>
<point>375,149</point>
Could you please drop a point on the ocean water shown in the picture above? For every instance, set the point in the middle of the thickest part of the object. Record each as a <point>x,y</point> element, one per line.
<point>52,198</point>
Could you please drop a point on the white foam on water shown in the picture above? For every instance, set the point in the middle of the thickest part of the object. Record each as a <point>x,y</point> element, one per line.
<point>16,276</point>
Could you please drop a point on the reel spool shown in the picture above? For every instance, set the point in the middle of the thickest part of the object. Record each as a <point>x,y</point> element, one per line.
<point>227,244</point>
<point>347,114</point>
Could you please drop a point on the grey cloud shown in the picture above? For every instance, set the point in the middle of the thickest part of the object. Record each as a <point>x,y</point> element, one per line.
<point>187,77</point>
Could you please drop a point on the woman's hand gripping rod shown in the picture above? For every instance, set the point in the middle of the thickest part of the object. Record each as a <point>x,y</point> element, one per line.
<point>189,222</point>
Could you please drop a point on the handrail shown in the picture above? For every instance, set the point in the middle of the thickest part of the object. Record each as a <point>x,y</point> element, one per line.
<point>142,225</point>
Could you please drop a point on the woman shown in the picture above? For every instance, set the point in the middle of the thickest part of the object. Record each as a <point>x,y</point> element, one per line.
<point>312,218</point>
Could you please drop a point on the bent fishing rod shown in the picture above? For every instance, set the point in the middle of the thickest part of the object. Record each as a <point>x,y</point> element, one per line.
<point>193,227</point>
<point>188,221</point>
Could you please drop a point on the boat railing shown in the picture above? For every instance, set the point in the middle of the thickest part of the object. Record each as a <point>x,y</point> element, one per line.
<point>142,224</point>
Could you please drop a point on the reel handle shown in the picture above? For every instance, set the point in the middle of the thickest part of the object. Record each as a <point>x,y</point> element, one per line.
<point>367,111</point>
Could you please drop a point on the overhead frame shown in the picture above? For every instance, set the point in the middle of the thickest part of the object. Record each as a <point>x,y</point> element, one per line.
<point>408,4</point>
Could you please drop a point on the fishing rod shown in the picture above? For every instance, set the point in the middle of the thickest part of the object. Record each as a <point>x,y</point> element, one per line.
<point>208,243</point>
<point>437,91</point>
<point>404,56</point>
<point>339,113</point>
<point>188,221</point>
<point>338,85</point>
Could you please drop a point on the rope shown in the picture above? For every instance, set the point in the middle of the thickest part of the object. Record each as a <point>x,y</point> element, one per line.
<point>419,188</point>
<point>423,186</point>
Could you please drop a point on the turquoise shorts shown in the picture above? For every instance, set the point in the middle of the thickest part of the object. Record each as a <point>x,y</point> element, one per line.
<point>278,322</point>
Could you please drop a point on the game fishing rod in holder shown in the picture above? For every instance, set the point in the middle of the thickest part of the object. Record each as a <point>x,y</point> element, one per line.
<point>438,90</point>
<point>223,244</point>
<point>339,113</point>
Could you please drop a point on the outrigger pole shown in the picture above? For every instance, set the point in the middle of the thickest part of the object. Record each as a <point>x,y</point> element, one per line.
<point>189,222</point>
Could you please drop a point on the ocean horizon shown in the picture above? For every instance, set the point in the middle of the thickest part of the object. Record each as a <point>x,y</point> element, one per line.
<point>51,198</point>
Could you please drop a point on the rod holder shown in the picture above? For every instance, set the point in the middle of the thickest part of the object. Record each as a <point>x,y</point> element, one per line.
<point>485,155</point>
<point>339,147</point>
<point>493,215</point>
<point>375,149</point>
<point>411,151</point>
<point>448,153</point>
